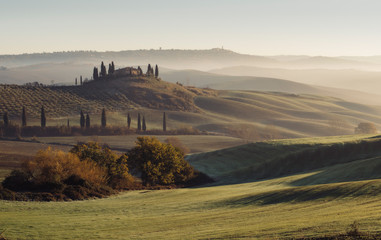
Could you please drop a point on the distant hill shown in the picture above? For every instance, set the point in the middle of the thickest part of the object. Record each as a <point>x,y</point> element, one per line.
<point>190,59</point>
<point>173,58</point>
<point>343,79</point>
<point>262,79</point>
<point>46,73</point>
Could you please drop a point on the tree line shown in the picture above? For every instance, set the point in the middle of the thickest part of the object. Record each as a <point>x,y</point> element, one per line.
<point>85,121</point>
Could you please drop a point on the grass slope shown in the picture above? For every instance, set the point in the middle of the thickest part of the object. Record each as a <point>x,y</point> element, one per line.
<point>269,209</point>
<point>286,115</point>
<point>271,159</point>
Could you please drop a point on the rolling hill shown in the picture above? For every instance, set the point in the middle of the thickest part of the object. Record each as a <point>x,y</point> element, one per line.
<point>117,95</point>
<point>351,79</point>
<point>194,59</point>
<point>334,83</point>
<point>245,114</point>
<point>281,207</point>
<point>330,160</point>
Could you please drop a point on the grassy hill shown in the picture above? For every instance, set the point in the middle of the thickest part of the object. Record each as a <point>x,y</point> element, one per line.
<point>245,114</point>
<point>340,158</point>
<point>114,95</point>
<point>314,203</point>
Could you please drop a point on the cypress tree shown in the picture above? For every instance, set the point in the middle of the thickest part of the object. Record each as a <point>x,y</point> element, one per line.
<point>23,117</point>
<point>95,74</point>
<point>149,69</point>
<point>139,123</point>
<point>5,119</point>
<point>43,118</point>
<point>82,120</point>
<point>164,122</point>
<point>76,81</point>
<point>103,70</point>
<point>87,120</point>
<point>109,69</point>
<point>103,120</point>
<point>113,66</point>
<point>68,123</point>
<point>156,71</point>
<point>140,71</point>
<point>144,127</point>
<point>128,121</point>
<point>80,79</point>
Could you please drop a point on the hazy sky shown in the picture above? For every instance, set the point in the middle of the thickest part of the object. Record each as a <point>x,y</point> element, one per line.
<point>263,27</point>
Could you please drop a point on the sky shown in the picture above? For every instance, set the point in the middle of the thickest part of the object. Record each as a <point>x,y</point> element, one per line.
<point>259,27</point>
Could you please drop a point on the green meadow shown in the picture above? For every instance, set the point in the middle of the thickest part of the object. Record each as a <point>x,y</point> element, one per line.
<point>311,203</point>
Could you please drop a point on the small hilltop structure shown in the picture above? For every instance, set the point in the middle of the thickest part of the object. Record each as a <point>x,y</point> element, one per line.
<point>104,74</point>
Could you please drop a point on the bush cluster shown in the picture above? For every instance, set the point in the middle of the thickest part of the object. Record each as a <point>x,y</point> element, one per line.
<point>159,163</point>
<point>116,167</point>
<point>91,170</point>
<point>59,173</point>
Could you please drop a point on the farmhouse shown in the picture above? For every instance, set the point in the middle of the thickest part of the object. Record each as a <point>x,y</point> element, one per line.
<point>128,71</point>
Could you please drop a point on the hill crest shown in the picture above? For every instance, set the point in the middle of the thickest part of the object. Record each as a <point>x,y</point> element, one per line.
<point>120,94</point>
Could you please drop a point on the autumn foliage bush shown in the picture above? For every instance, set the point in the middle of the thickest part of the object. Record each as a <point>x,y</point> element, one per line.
<point>57,172</point>
<point>115,166</point>
<point>159,163</point>
<point>91,170</point>
<point>57,166</point>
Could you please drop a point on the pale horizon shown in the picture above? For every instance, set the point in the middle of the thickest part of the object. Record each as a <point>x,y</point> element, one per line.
<point>266,28</point>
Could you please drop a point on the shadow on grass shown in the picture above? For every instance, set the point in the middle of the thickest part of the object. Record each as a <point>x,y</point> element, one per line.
<point>368,169</point>
<point>307,193</point>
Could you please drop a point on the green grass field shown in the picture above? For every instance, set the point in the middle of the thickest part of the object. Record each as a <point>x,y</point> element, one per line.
<point>316,203</point>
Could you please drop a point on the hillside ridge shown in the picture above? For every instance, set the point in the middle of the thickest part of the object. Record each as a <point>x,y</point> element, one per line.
<point>119,94</point>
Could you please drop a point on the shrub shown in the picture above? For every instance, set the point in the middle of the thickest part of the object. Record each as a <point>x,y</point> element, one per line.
<point>116,167</point>
<point>365,128</point>
<point>17,181</point>
<point>159,163</point>
<point>55,166</point>
<point>50,170</point>
<point>6,194</point>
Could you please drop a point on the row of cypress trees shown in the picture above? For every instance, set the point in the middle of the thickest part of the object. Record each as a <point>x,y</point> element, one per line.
<point>150,71</point>
<point>142,122</point>
<point>23,117</point>
<point>80,81</point>
<point>85,121</point>
<point>103,72</point>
